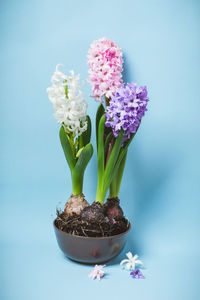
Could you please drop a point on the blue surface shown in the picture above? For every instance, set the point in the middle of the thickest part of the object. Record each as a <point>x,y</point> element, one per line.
<point>160,191</point>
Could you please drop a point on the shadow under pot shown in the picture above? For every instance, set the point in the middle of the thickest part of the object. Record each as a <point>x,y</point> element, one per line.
<point>90,250</point>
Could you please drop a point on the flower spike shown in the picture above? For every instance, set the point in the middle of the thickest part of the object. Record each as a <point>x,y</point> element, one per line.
<point>70,107</point>
<point>105,68</point>
<point>126,109</point>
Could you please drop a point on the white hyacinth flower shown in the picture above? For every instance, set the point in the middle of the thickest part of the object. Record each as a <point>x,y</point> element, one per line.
<point>131,262</point>
<point>68,101</point>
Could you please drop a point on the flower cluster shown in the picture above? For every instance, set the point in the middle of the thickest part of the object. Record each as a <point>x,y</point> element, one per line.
<point>126,109</point>
<point>68,101</point>
<point>130,265</point>
<point>105,68</point>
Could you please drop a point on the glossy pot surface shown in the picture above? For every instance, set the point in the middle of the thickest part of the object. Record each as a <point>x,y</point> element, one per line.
<point>90,250</point>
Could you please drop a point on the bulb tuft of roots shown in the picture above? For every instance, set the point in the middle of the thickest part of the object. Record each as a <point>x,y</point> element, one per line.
<point>112,209</point>
<point>75,204</point>
<point>93,213</point>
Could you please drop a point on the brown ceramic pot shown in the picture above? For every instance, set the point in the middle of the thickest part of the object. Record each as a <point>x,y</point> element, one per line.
<point>90,250</point>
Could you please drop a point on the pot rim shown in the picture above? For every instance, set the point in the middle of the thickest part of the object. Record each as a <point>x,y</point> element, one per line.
<point>93,237</point>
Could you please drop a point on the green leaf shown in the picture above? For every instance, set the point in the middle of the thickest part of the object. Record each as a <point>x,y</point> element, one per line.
<point>100,149</point>
<point>109,171</point>
<point>120,172</point>
<point>124,150</point>
<point>84,158</point>
<point>100,158</point>
<point>99,114</point>
<point>67,148</point>
<point>86,135</point>
<point>78,171</point>
<point>117,178</point>
<point>107,141</point>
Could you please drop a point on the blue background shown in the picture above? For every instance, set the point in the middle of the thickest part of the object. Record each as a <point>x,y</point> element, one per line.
<point>160,190</point>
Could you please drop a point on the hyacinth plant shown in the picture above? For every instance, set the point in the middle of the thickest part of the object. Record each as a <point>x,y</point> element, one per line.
<point>117,122</point>
<point>70,110</point>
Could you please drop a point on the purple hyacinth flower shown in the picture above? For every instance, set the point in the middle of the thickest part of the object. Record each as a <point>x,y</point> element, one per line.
<point>126,109</point>
<point>137,274</point>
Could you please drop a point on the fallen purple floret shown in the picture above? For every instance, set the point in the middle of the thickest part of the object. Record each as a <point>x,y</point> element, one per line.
<point>137,274</point>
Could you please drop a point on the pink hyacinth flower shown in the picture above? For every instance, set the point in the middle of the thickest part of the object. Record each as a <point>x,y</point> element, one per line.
<point>105,68</point>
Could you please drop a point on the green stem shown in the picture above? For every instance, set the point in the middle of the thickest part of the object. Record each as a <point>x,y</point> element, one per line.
<point>107,100</point>
<point>77,183</point>
<point>113,188</point>
<point>80,142</point>
<point>100,195</point>
<point>109,149</point>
